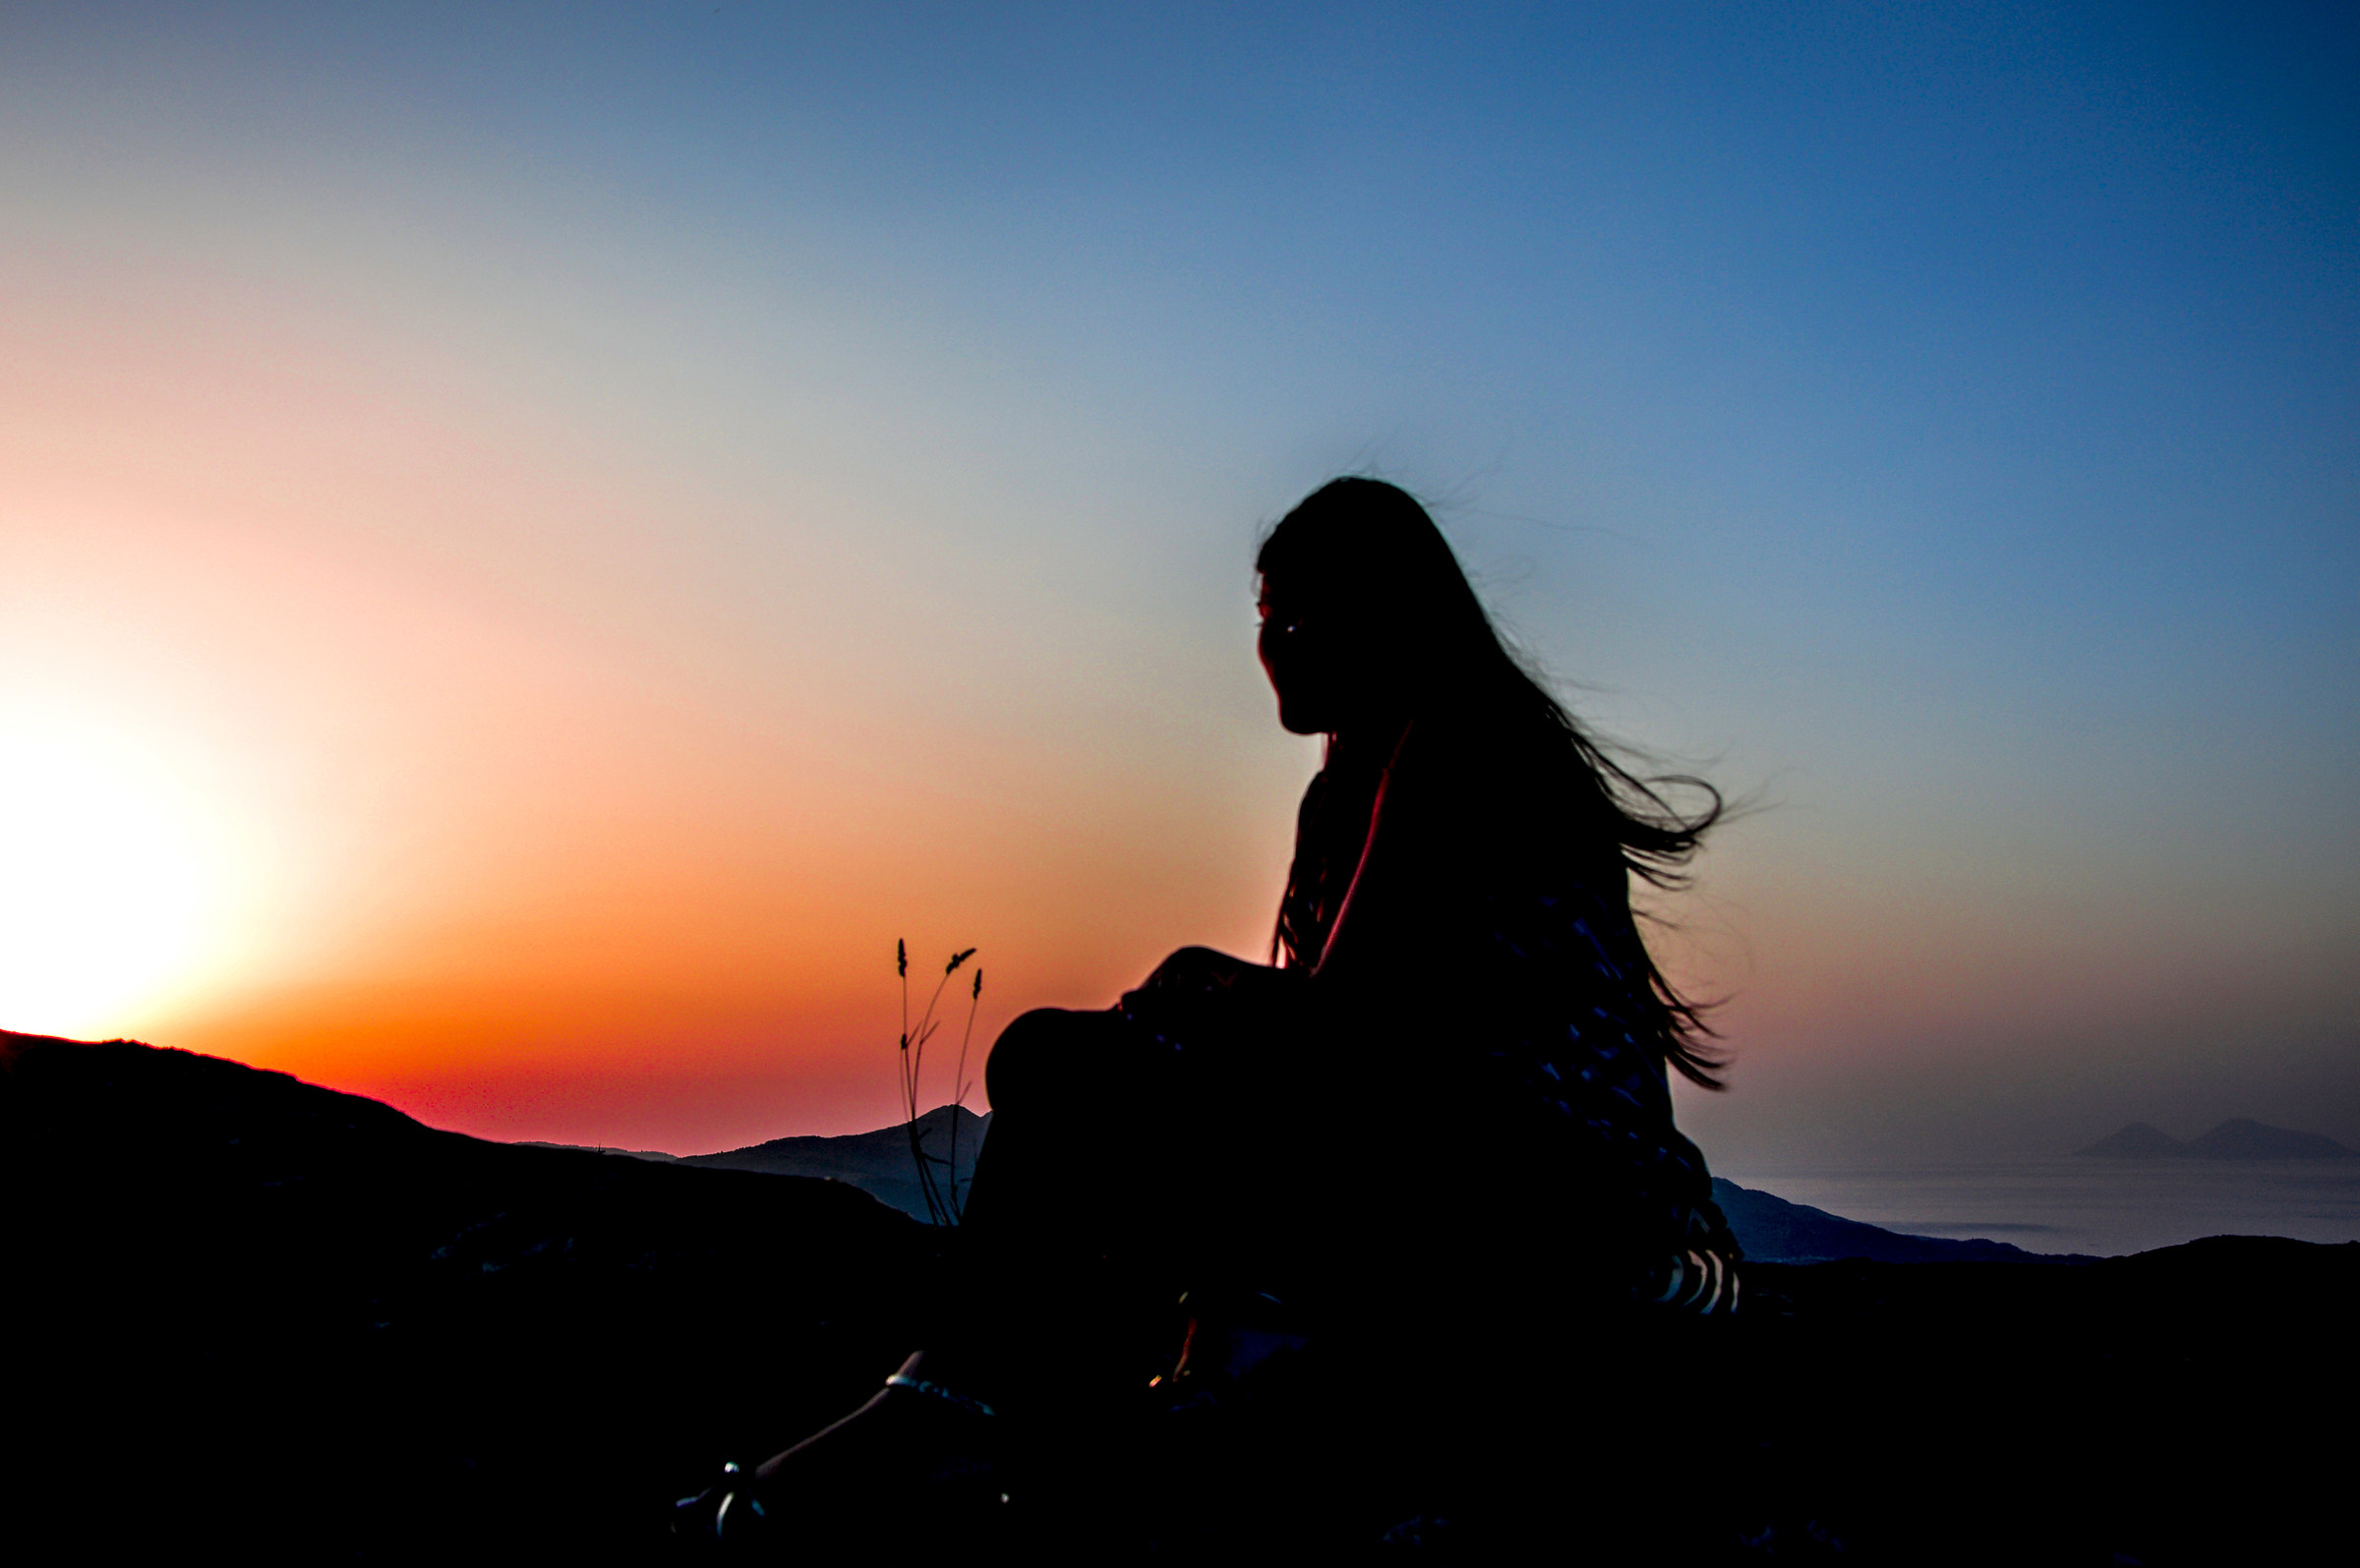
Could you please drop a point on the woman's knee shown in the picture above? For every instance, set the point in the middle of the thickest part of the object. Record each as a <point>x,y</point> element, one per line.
<point>1038,1057</point>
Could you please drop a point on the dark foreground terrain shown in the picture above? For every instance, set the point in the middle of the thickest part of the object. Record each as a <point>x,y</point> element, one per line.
<point>264,1319</point>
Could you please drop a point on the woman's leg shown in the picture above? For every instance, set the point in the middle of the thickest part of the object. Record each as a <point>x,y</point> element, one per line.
<point>1193,1152</point>
<point>1071,1107</point>
<point>1062,1265</point>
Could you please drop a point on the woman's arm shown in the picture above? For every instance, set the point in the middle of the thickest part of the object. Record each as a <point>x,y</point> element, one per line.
<point>1217,1002</point>
<point>1194,971</point>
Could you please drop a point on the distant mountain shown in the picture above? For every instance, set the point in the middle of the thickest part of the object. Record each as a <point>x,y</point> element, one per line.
<point>878,1163</point>
<point>2138,1141</point>
<point>1775,1231</point>
<point>2238,1138</point>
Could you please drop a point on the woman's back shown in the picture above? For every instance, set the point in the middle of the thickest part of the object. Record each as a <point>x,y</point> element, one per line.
<point>1483,973</point>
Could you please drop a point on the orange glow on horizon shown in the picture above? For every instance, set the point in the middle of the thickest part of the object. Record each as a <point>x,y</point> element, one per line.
<point>524,850</point>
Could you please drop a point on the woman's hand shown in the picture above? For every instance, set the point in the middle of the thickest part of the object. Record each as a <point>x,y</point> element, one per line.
<point>1210,997</point>
<point>1188,972</point>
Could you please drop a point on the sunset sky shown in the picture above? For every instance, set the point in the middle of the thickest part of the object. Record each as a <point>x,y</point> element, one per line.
<point>536,542</point>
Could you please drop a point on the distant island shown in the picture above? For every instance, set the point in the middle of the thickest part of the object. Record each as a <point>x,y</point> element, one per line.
<point>2238,1138</point>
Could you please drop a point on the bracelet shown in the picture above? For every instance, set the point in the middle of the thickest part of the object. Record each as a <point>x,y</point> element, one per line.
<point>897,1380</point>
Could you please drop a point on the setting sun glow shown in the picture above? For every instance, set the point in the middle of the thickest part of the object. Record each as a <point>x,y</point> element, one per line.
<point>114,893</point>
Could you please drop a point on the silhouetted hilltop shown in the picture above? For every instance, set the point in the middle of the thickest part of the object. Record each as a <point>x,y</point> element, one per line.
<point>328,1331</point>
<point>1775,1231</point>
<point>880,1163</point>
<point>248,1315</point>
<point>658,1156</point>
<point>2238,1138</point>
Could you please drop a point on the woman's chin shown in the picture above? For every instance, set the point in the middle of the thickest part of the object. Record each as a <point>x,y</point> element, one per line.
<point>1297,720</point>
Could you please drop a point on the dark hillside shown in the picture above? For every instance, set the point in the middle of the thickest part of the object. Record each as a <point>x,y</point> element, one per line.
<point>250,1316</point>
<point>322,1328</point>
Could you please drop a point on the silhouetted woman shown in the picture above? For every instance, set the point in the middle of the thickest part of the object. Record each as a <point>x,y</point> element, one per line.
<point>1441,1117</point>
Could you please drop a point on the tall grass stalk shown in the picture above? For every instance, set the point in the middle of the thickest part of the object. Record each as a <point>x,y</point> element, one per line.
<point>963,1085</point>
<point>940,1210</point>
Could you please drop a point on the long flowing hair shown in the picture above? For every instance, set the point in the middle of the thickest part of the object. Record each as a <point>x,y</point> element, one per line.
<point>1370,549</point>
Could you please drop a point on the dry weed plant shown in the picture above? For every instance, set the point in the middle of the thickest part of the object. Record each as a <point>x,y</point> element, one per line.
<point>941,1208</point>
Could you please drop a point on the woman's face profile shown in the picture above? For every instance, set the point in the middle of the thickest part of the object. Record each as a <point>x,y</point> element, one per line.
<point>1300,653</point>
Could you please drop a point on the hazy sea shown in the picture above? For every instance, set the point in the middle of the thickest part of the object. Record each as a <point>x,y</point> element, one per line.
<point>2100,1206</point>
